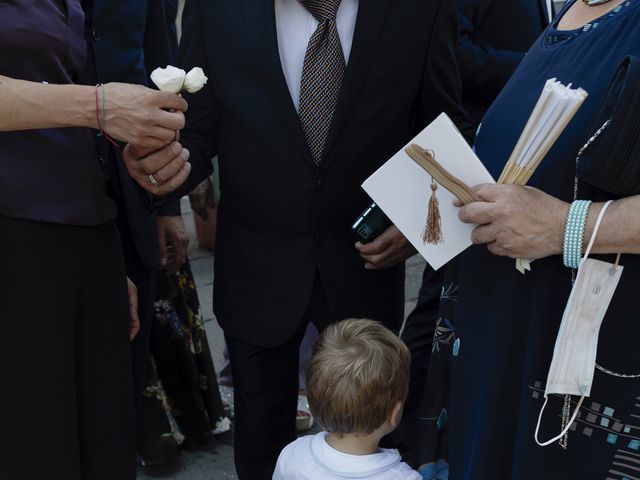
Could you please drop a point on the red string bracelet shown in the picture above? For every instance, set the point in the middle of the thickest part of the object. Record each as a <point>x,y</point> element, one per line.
<point>100,114</point>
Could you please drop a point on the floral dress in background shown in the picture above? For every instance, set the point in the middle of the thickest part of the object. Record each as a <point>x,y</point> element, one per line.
<point>181,402</point>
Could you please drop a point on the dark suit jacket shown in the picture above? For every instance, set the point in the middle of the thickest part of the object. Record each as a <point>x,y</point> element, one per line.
<point>494,36</point>
<point>282,220</point>
<point>126,41</point>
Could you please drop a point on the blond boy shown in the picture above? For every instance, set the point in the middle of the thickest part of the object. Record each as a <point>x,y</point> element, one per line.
<point>357,382</point>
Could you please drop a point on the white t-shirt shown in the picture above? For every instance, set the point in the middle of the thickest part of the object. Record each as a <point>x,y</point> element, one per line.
<point>312,458</point>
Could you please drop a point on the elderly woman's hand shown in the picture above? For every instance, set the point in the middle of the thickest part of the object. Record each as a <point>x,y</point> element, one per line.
<point>517,221</point>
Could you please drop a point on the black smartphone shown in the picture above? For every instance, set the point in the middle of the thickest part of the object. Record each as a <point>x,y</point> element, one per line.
<point>370,224</point>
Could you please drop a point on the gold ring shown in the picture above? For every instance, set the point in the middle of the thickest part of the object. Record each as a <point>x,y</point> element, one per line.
<point>153,180</point>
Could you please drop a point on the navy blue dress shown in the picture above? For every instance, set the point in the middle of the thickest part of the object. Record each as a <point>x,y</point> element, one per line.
<point>506,323</point>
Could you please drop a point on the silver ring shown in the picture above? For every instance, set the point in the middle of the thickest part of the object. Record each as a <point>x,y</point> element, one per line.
<point>153,180</point>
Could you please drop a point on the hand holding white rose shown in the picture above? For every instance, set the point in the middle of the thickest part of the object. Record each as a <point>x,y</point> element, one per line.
<point>162,171</point>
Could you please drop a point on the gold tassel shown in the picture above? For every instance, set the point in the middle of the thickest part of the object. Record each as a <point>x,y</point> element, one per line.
<point>432,233</point>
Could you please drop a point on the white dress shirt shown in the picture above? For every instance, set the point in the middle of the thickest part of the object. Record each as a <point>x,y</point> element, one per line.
<point>296,26</point>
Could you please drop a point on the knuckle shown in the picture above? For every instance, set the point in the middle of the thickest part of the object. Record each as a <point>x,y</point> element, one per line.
<point>149,96</point>
<point>495,249</point>
<point>504,242</point>
<point>147,168</point>
<point>463,214</point>
<point>504,210</point>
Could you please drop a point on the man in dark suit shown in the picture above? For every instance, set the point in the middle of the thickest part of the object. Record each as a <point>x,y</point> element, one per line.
<point>305,100</point>
<point>126,41</point>
<point>494,36</point>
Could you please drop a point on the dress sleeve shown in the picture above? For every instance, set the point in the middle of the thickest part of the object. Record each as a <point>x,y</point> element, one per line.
<point>484,70</point>
<point>441,90</point>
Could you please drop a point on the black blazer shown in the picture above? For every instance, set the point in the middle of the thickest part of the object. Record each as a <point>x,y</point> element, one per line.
<point>494,36</point>
<point>126,40</point>
<point>282,220</point>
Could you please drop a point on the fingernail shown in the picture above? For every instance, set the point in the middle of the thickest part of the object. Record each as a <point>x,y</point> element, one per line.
<point>187,166</point>
<point>163,262</point>
<point>176,148</point>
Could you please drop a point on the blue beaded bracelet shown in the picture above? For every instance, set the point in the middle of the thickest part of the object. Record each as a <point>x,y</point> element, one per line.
<point>574,232</point>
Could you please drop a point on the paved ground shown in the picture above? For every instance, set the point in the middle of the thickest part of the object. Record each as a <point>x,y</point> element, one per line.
<point>215,461</point>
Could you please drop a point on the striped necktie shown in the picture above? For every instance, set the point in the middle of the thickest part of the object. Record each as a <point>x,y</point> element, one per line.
<point>322,76</point>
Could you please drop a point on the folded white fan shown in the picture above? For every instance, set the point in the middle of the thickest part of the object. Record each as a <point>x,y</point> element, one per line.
<point>554,110</point>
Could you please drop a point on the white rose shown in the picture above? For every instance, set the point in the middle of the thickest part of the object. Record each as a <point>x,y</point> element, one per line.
<point>195,80</point>
<point>170,79</point>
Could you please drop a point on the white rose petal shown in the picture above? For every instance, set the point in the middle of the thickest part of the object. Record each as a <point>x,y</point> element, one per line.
<point>195,80</point>
<point>170,79</point>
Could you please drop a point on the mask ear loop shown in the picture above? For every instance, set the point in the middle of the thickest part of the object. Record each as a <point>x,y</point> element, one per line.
<point>618,260</point>
<point>596,229</point>
<point>565,430</point>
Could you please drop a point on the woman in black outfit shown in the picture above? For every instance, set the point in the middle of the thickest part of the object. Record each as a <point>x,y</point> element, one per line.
<point>63,289</point>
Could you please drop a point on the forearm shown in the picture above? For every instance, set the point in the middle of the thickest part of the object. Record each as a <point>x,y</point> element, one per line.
<point>620,228</point>
<point>28,105</point>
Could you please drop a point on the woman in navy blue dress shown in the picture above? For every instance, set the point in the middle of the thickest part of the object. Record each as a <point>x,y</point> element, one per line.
<point>506,323</point>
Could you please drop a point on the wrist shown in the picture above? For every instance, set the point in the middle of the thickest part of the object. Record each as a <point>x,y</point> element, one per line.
<point>83,108</point>
<point>560,224</point>
<point>590,224</point>
<point>574,234</point>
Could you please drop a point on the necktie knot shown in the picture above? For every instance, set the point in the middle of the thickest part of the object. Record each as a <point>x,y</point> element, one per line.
<point>322,10</point>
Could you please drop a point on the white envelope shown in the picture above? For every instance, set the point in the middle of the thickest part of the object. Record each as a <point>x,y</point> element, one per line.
<point>402,189</point>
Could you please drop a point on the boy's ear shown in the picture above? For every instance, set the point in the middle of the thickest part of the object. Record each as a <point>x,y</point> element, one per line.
<point>396,414</point>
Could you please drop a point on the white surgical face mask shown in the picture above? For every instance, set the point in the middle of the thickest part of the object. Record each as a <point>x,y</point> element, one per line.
<point>574,357</point>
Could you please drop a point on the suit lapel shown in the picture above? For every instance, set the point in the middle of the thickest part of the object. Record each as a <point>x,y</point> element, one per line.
<point>370,20</point>
<point>260,24</point>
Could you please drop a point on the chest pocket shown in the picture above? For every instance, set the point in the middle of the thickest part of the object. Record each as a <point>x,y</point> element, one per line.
<point>389,84</point>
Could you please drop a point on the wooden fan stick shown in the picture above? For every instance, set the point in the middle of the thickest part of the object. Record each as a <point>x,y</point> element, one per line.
<point>457,187</point>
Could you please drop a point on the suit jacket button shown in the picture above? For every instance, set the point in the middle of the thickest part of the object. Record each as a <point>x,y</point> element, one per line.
<point>95,33</point>
<point>318,239</point>
<point>320,184</point>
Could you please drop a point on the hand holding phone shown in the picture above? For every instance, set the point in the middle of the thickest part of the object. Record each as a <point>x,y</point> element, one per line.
<point>370,224</point>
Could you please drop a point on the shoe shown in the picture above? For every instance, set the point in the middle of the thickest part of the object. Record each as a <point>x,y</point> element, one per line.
<point>226,393</point>
<point>223,425</point>
<point>304,419</point>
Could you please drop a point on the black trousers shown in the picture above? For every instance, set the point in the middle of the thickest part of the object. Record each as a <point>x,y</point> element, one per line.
<point>265,382</point>
<point>65,362</point>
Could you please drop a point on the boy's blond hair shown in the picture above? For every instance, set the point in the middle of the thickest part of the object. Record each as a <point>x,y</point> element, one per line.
<point>358,372</point>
